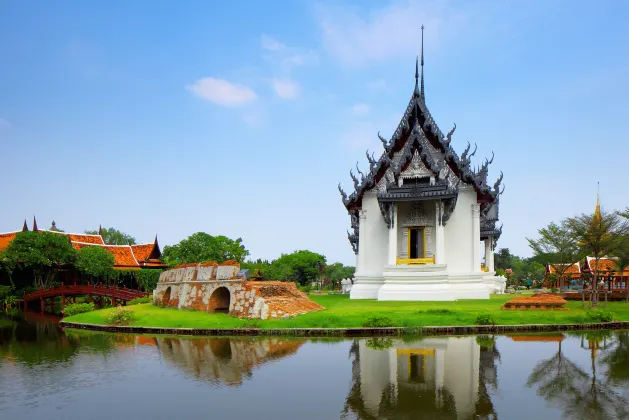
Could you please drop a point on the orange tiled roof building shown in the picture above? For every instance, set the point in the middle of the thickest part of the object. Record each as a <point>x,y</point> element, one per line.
<point>126,257</point>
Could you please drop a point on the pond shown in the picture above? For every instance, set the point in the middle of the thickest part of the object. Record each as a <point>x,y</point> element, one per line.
<point>46,372</point>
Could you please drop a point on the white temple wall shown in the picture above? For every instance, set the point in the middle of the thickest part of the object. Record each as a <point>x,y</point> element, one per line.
<point>374,376</point>
<point>459,241</point>
<point>374,249</point>
<point>461,373</point>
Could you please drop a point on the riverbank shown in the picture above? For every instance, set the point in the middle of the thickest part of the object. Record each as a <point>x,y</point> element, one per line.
<point>350,317</point>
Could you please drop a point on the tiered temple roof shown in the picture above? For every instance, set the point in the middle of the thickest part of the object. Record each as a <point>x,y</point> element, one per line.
<point>418,137</point>
<point>574,271</point>
<point>125,256</point>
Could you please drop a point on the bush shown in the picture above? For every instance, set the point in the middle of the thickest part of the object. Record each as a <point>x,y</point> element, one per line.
<point>485,341</point>
<point>78,308</point>
<point>600,315</point>
<point>120,316</point>
<point>137,301</point>
<point>378,322</point>
<point>379,343</point>
<point>485,319</point>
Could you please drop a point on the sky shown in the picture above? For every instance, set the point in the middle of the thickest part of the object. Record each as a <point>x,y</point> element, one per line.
<point>240,118</point>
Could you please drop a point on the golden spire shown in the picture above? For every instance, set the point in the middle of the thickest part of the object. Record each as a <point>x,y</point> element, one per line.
<point>597,210</point>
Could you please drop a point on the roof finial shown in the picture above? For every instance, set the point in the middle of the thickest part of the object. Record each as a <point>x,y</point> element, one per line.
<point>416,92</point>
<point>35,224</point>
<point>100,230</point>
<point>422,63</point>
<point>25,227</point>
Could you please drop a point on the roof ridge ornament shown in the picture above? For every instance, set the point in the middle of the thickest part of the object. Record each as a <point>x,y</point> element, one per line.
<point>422,63</point>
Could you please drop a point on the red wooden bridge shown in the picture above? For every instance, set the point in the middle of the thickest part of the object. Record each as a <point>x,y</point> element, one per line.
<point>95,293</point>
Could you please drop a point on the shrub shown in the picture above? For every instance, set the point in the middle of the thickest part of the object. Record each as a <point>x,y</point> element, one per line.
<point>600,315</point>
<point>485,319</point>
<point>379,343</point>
<point>120,316</point>
<point>137,301</point>
<point>485,341</point>
<point>378,322</point>
<point>78,308</point>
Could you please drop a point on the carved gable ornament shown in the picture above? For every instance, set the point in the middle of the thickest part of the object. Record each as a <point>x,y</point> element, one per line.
<point>416,169</point>
<point>416,216</point>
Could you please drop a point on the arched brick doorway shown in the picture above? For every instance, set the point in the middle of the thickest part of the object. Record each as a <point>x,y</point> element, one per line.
<point>219,301</point>
<point>166,297</point>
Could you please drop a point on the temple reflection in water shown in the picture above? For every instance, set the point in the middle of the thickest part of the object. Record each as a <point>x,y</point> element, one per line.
<point>434,378</point>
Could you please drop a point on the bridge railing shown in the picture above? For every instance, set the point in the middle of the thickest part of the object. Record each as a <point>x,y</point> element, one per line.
<point>75,289</point>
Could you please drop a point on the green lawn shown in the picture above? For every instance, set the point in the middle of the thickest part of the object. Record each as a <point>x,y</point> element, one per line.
<point>342,312</point>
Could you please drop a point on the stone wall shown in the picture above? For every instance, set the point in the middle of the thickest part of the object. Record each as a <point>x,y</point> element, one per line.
<point>210,287</point>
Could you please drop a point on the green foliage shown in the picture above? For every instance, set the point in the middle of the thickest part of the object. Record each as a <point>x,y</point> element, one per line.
<point>337,272</point>
<point>5,291</point>
<point>137,301</point>
<point>113,236</point>
<point>120,316</point>
<point>43,252</point>
<point>95,261</point>
<point>202,247</point>
<point>485,319</point>
<point>78,308</point>
<point>599,315</point>
<point>147,279</point>
<point>300,267</point>
<point>379,343</point>
<point>485,341</point>
<point>378,322</point>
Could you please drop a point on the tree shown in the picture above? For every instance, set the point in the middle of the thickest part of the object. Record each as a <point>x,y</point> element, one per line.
<point>202,247</point>
<point>558,247</point>
<point>113,236</point>
<point>598,235</point>
<point>96,262</point>
<point>43,252</point>
<point>337,272</point>
<point>503,259</point>
<point>300,266</point>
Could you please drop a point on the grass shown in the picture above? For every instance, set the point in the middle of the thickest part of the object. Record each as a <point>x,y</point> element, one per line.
<point>341,312</point>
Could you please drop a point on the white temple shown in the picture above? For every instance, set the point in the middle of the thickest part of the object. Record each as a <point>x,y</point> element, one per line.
<point>422,218</point>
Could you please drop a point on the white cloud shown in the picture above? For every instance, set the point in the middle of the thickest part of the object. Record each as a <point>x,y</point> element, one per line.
<point>286,89</point>
<point>222,92</point>
<point>361,109</point>
<point>4,123</point>
<point>269,43</point>
<point>356,37</point>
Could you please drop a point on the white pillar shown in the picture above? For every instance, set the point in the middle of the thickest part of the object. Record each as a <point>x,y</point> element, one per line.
<point>362,222</point>
<point>487,243</point>
<point>476,238</point>
<point>440,248</point>
<point>393,236</point>
<point>490,262</point>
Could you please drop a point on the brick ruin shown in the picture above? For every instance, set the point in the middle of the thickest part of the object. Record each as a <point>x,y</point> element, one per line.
<point>211,287</point>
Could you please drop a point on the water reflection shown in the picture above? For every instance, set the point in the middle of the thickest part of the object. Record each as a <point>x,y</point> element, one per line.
<point>550,376</point>
<point>579,391</point>
<point>224,360</point>
<point>434,378</point>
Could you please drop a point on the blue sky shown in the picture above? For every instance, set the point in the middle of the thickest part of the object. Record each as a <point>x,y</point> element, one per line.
<point>241,117</point>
